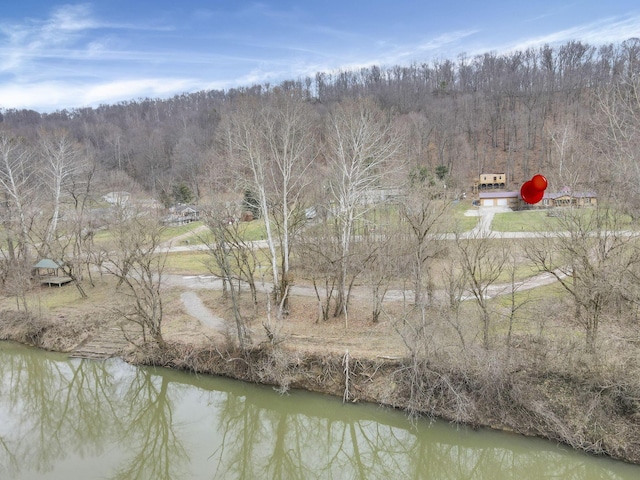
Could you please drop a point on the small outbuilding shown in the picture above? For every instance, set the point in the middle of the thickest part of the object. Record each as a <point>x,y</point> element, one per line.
<point>47,272</point>
<point>499,199</point>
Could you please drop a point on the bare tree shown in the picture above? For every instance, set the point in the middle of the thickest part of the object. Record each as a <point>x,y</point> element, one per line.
<point>619,139</point>
<point>137,262</point>
<point>71,244</point>
<point>272,138</point>
<point>361,142</point>
<point>18,186</point>
<point>292,149</point>
<point>235,260</point>
<point>594,260</point>
<point>482,260</point>
<point>421,212</point>
<point>63,157</point>
<point>381,267</point>
<point>321,254</point>
<point>455,287</point>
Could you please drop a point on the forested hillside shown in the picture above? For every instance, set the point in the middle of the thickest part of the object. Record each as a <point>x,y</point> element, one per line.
<point>545,109</point>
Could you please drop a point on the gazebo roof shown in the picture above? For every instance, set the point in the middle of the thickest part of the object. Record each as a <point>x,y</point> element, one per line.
<point>46,263</point>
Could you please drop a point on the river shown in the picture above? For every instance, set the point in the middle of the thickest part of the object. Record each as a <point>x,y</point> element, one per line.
<point>64,418</point>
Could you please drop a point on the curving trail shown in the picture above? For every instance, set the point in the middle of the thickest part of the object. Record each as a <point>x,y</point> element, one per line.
<point>197,309</point>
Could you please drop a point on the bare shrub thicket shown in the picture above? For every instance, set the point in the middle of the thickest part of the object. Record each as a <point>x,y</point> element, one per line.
<point>136,260</point>
<point>235,261</point>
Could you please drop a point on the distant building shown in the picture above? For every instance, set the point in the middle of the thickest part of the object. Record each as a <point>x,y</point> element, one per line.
<point>567,198</point>
<point>117,198</point>
<point>181,215</point>
<point>492,181</point>
<point>513,200</point>
<point>500,199</point>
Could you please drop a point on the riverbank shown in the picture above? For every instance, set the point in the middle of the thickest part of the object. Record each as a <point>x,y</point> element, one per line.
<point>534,388</point>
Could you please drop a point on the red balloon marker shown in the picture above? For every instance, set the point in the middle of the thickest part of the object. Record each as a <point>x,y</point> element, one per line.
<point>539,182</point>
<point>532,190</point>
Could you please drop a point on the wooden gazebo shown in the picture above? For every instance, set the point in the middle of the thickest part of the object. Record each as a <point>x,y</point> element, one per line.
<point>47,272</point>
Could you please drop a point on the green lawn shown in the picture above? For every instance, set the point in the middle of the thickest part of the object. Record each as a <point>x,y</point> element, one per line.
<point>527,221</point>
<point>553,221</point>
<point>171,232</point>
<point>458,221</point>
<point>193,263</point>
<point>452,221</point>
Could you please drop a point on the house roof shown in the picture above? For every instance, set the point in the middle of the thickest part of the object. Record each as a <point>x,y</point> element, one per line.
<point>46,263</point>
<point>551,195</point>
<point>498,194</point>
<point>556,195</point>
<point>186,208</point>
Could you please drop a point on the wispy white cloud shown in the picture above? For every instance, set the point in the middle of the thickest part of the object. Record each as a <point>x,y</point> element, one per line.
<point>30,39</point>
<point>446,40</point>
<point>390,54</point>
<point>606,30</point>
<point>48,96</point>
<point>65,34</point>
<point>71,18</point>
<point>141,87</point>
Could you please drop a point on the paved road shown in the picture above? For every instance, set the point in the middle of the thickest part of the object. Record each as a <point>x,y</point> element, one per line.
<point>196,308</point>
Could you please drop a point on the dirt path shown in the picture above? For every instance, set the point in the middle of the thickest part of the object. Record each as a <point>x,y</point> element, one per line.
<point>197,309</point>
<point>210,282</point>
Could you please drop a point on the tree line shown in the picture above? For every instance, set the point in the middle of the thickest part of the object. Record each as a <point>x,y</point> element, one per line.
<point>465,113</point>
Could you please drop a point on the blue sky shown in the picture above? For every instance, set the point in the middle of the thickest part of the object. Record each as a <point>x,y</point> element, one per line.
<point>57,55</point>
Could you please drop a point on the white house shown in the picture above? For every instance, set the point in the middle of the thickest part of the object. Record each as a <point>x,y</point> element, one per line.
<point>117,198</point>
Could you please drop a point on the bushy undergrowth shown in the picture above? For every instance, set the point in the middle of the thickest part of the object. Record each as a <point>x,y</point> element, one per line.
<point>57,334</point>
<point>575,400</point>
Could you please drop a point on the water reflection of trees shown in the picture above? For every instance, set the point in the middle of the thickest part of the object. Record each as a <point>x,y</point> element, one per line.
<point>50,409</point>
<point>263,440</point>
<point>150,431</point>
<point>61,407</point>
<point>55,407</point>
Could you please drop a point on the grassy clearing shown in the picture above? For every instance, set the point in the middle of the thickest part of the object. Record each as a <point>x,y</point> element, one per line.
<point>103,238</point>
<point>48,300</point>
<point>380,217</point>
<point>527,221</point>
<point>558,220</point>
<point>252,231</point>
<point>388,217</point>
<point>202,263</point>
<point>171,232</point>
<point>458,221</point>
<point>188,263</point>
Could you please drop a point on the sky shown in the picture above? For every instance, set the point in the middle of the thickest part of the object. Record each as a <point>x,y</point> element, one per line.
<point>64,55</point>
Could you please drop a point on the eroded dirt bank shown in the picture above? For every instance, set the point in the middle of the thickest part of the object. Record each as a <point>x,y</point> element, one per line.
<point>597,413</point>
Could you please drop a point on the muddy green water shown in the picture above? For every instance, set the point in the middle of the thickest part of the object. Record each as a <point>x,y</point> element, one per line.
<point>78,419</point>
